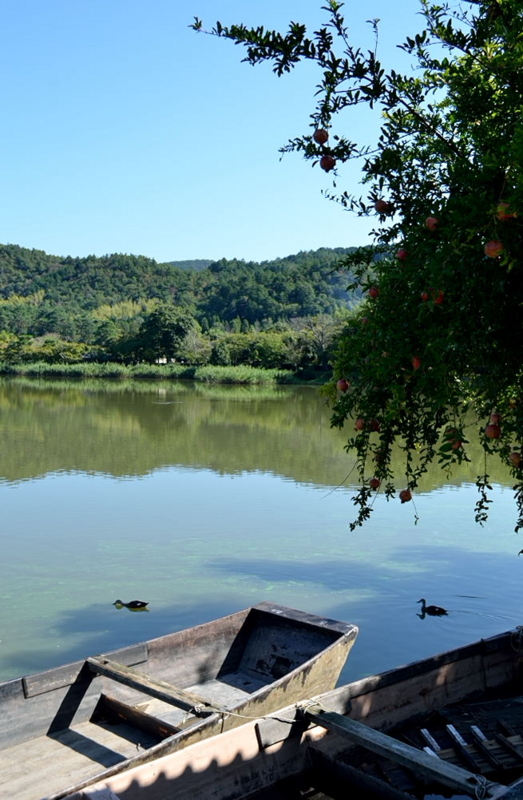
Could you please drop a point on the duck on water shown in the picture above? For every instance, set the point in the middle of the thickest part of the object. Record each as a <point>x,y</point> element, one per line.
<point>432,611</point>
<point>134,605</point>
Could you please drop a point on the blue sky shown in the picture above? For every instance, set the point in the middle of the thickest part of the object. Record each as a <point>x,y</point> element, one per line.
<point>124,131</point>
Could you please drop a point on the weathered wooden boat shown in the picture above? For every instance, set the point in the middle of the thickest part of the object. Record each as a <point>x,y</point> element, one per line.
<point>64,728</point>
<point>447,725</point>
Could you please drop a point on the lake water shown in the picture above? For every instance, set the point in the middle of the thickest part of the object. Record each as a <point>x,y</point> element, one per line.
<point>205,500</point>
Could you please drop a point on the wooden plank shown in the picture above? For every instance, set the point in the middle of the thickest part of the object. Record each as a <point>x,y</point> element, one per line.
<point>273,730</point>
<point>45,765</point>
<point>303,618</point>
<point>481,743</point>
<point>460,746</point>
<point>493,650</point>
<point>338,699</point>
<point>12,690</point>
<point>508,745</point>
<point>58,677</point>
<point>430,740</point>
<point>155,688</point>
<point>219,768</point>
<point>109,707</point>
<point>422,692</point>
<point>410,757</point>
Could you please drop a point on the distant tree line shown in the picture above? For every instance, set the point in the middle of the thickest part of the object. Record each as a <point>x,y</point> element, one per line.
<point>276,314</point>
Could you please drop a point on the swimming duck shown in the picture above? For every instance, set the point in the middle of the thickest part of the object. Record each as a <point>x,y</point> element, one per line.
<point>132,604</point>
<point>432,611</point>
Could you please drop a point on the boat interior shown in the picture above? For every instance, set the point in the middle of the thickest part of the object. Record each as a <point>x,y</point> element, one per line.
<point>70,723</point>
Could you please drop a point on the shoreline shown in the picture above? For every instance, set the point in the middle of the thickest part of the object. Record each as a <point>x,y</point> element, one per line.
<point>240,375</point>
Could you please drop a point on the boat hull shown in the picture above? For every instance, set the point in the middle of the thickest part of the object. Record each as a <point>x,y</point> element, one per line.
<point>67,727</point>
<point>287,750</point>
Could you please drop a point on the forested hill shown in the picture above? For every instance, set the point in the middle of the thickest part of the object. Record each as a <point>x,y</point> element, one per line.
<point>41,293</point>
<point>195,263</point>
<point>85,282</point>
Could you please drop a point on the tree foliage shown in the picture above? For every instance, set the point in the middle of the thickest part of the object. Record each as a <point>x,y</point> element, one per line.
<point>163,332</point>
<point>441,330</point>
<point>74,297</point>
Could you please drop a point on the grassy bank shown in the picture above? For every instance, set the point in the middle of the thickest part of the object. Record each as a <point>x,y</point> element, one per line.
<point>243,375</point>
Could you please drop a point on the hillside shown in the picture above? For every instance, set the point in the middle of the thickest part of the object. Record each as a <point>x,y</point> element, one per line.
<point>86,282</point>
<point>196,264</point>
<point>42,293</point>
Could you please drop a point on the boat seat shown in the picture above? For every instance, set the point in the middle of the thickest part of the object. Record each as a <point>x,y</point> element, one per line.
<point>109,709</point>
<point>188,701</point>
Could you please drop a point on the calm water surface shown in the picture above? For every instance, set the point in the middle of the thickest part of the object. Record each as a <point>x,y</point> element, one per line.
<point>203,501</point>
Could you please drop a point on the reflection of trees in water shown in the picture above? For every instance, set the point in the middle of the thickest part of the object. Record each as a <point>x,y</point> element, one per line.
<point>133,428</point>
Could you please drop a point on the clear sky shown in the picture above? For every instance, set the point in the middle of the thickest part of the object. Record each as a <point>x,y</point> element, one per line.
<point>124,131</point>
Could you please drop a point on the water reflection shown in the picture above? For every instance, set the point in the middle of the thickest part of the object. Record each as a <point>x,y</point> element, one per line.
<point>128,429</point>
<point>45,428</point>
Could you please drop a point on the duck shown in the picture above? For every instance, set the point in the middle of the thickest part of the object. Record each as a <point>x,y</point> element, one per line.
<point>432,611</point>
<point>131,604</point>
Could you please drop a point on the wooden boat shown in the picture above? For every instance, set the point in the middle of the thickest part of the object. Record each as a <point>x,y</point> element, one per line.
<point>63,728</point>
<point>365,739</point>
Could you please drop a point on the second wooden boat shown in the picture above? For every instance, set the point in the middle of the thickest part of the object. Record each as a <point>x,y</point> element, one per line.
<point>447,725</point>
<point>62,729</point>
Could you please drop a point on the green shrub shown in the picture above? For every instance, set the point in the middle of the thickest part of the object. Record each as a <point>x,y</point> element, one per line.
<point>232,375</point>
